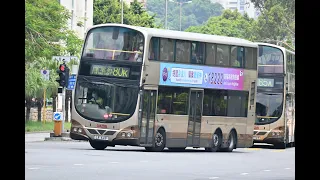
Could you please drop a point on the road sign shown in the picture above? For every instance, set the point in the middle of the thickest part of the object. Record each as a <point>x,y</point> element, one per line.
<point>65,58</point>
<point>45,74</point>
<point>72,81</point>
<point>57,116</point>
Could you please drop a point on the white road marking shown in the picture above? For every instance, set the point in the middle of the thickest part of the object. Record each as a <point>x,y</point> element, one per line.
<point>266,170</point>
<point>213,177</point>
<point>244,173</point>
<point>287,168</point>
<point>33,168</point>
<point>114,162</point>
<point>78,164</point>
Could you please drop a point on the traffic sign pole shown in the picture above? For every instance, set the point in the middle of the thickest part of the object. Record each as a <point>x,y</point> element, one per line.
<point>63,107</point>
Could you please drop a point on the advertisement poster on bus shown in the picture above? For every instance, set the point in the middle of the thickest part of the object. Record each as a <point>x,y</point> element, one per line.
<point>201,76</point>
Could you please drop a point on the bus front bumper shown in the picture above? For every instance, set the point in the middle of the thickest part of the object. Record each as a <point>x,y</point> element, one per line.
<point>270,140</point>
<point>116,141</point>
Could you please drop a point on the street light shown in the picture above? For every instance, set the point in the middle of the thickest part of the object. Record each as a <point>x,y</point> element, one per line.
<point>187,2</point>
<point>121,11</point>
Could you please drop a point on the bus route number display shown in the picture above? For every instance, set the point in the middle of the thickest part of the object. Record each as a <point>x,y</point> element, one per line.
<point>110,71</point>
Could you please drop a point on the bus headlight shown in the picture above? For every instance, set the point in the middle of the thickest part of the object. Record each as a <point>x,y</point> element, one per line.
<point>278,133</point>
<point>75,129</point>
<point>123,134</point>
<point>129,134</point>
<point>80,130</point>
<point>273,133</point>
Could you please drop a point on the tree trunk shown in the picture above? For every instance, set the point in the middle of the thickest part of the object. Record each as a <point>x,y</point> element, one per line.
<point>28,105</point>
<point>39,105</point>
<point>54,103</point>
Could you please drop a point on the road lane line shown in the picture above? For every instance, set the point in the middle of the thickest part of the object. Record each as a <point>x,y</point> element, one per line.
<point>213,177</point>
<point>253,149</point>
<point>279,150</point>
<point>266,170</point>
<point>33,168</point>
<point>78,164</point>
<point>244,173</point>
<point>287,168</point>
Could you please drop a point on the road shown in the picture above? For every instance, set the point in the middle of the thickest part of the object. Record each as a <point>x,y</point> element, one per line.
<point>78,161</point>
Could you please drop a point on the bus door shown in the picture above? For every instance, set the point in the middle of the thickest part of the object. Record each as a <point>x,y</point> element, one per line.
<point>289,116</point>
<point>195,113</point>
<point>147,117</point>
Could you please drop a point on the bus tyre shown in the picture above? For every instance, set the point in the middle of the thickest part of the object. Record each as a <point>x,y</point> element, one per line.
<point>216,142</point>
<point>231,143</point>
<point>160,142</point>
<point>98,145</point>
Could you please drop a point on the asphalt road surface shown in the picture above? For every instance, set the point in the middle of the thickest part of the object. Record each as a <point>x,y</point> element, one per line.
<point>78,161</point>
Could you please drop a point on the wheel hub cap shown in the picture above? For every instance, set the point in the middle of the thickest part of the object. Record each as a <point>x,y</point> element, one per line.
<point>215,140</point>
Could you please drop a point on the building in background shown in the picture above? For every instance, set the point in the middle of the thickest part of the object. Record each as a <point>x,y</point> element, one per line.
<point>81,15</point>
<point>144,2</point>
<point>241,5</point>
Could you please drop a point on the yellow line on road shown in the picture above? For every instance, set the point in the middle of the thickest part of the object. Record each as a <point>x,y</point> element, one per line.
<point>253,149</point>
<point>279,150</point>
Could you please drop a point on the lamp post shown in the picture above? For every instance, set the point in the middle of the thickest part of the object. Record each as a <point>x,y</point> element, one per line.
<point>166,18</point>
<point>121,11</point>
<point>180,3</point>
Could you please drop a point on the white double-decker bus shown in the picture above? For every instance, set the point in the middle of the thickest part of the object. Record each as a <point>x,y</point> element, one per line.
<point>160,88</point>
<point>275,122</point>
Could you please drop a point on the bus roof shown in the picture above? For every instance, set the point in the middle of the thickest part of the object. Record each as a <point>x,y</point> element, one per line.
<point>186,35</point>
<point>275,46</point>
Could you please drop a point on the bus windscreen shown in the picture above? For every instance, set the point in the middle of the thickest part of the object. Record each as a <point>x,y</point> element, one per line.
<point>114,43</point>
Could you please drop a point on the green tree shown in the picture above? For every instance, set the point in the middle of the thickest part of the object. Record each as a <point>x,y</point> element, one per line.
<point>277,20</point>
<point>109,11</point>
<point>46,35</point>
<point>230,23</point>
<point>192,14</point>
<point>45,26</point>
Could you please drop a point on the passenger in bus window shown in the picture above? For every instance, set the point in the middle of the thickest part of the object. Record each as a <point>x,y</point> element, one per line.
<point>151,50</point>
<point>236,63</point>
<point>100,53</point>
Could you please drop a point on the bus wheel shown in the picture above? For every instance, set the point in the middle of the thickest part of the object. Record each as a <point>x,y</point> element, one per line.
<point>231,143</point>
<point>216,142</point>
<point>160,142</point>
<point>98,145</point>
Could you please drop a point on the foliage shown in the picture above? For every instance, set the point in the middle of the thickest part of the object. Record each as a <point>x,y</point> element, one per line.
<point>36,126</point>
<point>45,28</point>
<point>192,14</point>
<point>230,23</point>
<point>277,20</point>
<point>109,11</point>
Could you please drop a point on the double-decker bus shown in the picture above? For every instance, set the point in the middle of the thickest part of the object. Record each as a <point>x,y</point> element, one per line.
<point>275,107</point>
<point>160,88</point>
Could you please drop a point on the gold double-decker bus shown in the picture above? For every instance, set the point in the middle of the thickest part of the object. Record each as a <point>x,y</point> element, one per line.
<point>160,88</point>
<point>275,108</point>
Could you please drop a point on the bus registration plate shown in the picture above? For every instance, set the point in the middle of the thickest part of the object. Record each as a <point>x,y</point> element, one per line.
<point>100,138</point>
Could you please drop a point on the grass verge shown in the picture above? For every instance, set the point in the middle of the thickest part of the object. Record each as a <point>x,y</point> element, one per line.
<point>35,126</point>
